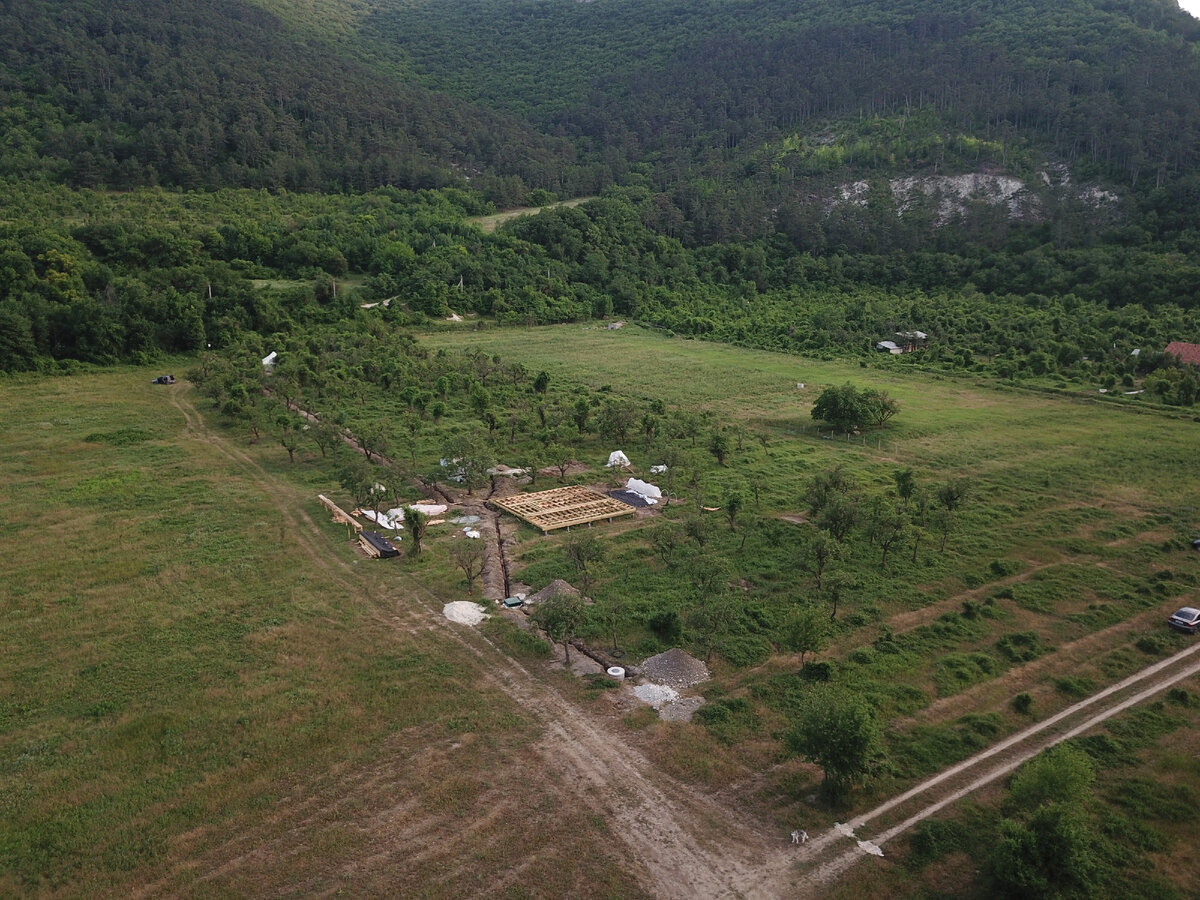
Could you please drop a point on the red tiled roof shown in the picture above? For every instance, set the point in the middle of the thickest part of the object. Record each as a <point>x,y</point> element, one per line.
<point>1188,353</point>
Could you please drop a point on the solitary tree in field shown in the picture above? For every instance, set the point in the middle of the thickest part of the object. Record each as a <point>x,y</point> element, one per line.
<point>718,446</point>
<point>467,555</point>
<point>418,525</point>
<point>560,616</point>
<point>585,553</point>
<point>838,731</point>
<point>906,484</point>
<point>289,433</point>
<point>850,408</point>
<point>806,631</point>
<point>820,552</point>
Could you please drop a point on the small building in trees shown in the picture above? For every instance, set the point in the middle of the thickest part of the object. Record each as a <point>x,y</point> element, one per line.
<point>912,340</point>
<point>888,347</point>
<point>1187,354</point>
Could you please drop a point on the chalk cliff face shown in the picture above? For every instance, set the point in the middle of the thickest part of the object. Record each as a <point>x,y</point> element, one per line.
<point>952,196</point>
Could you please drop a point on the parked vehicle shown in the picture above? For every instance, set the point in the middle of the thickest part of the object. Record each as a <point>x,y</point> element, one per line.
<point>1186,619</point>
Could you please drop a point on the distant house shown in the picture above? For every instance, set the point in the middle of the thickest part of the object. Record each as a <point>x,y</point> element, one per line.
<point>906,342</point>
<point>1188,354</point>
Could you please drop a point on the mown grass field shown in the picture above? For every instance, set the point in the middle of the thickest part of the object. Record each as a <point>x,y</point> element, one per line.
<point>204,690</point>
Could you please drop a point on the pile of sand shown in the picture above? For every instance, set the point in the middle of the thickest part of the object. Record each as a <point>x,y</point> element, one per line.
<point>464,611</point>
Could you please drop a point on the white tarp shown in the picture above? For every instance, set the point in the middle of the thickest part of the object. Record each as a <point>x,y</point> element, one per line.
<point>383,520</point>
<point>648,492</point>
<point>617,458</point>
<point>429,509</point>
<point>657,470</point>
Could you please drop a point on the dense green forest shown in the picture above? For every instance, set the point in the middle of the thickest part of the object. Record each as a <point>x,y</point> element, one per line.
<point>767,174</point>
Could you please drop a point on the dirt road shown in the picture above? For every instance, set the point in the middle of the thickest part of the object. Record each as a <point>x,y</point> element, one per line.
<point>832,853</point>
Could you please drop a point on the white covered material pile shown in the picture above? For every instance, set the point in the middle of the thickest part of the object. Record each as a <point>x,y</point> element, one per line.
<point>648,492</point>
<point>616,459</point>
<point>429,509</point>
<point>464,611</point>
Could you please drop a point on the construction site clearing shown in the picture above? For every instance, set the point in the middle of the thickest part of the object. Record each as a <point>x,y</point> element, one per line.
<point>563,507</point>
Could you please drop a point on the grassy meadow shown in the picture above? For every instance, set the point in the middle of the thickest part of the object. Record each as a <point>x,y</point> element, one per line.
<point>197,664</point>
<point>205,690</point>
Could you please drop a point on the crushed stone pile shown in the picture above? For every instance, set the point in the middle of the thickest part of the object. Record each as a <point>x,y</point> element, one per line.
<point>554,589</point>
<point>681,710</point>
<point>655,694</point>
<point>464,611</point>
<point>676,668</point>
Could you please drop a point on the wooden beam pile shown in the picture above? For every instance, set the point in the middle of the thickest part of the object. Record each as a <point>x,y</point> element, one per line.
<point>563,507</point>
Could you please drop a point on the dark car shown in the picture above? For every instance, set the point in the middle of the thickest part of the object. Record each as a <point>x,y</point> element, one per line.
<point>1186,619</point>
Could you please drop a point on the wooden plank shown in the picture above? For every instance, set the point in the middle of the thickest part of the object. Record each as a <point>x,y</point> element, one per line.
<point>339,515</point>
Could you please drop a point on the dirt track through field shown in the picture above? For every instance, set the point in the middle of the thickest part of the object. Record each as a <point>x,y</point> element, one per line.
<point>832,853</point>
<point>681,842</point>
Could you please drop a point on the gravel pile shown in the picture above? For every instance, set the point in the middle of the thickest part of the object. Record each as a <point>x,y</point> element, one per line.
<point>655,694</point>
<point>675,668</point>
<point>553,589</point>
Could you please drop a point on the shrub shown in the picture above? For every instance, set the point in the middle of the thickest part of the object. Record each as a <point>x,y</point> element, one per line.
<point>1153,644</point>
<point>933,840</point>
<point>817,672</point>
<point>1074,686</point>
<point>1020,647</point>
<point>666,625</point>
<point>729,720</point>
<point>741,651</point>
<point>1023,703</point>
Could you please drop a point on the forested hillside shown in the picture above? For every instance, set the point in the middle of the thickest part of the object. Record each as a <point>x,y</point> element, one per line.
<point>206,95</point>
<point>1020,179</point>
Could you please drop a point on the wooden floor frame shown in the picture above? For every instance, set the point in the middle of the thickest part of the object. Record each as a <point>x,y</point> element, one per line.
<point>564,507</point>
